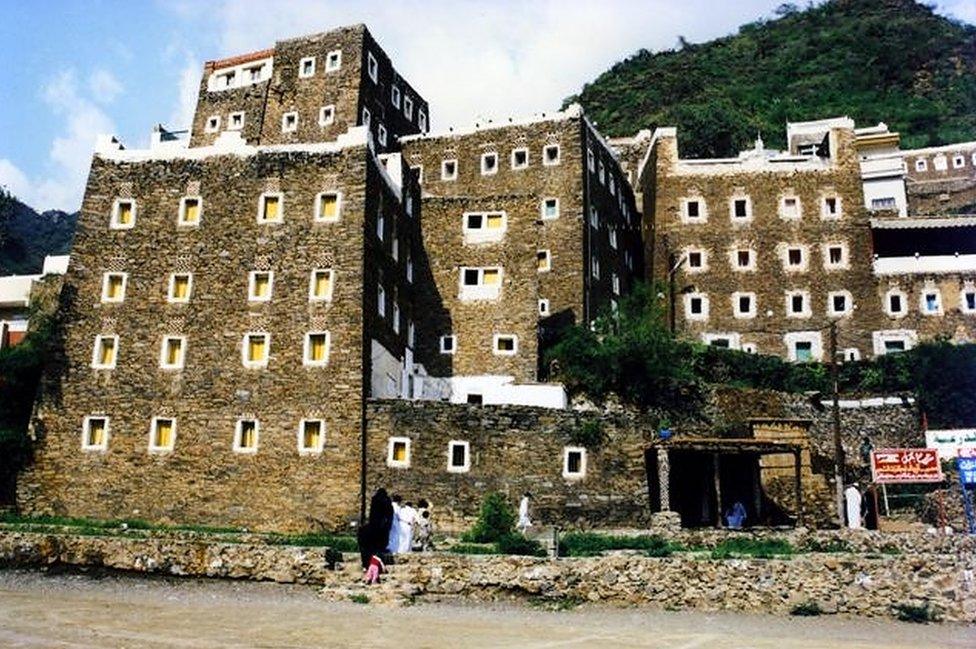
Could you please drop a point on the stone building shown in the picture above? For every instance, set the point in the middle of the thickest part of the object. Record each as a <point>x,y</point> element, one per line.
<point>529,226</point>
<point>942,180</point>
<point>19,292</point>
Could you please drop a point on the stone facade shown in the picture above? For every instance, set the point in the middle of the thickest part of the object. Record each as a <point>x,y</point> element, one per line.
<point>343,72</point>
<point>941,180</point>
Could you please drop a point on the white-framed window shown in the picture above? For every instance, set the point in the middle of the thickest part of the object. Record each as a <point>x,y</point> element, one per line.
<point>366,116</point>
<point>612,184</point>
<point>892,341</point>
<point>693,210</point>
<point>896,303</point>
<point>921,164</point>
<point>835,255</point>
<point>790,207</point>
<point>422,120</point>
<point>543,307</point>
<point>326,115</point>
<point>595,267</point>
<point>481,227</point>
<point>180,288</point>
<point>550,155</point>
<point>396,316</point>
<point>798,304</point>
<point>321,283</point>
<point>311,436</point>
<point>458,456</point>
<point>212,124</point>
<point>380,224</point>
<point>574,462</point>
<point>190,211</point>
<point>113,287</point>
<point>489,163</point>
<point>480,283</point>
<point>289,122</point>
<point>246,433</point>
<point>256,349</point>
<point>830,207</point>
<point>94,433</point>
<point>851,354</point>
<point>884,203</point>
<point>740,208</point>
<point>549,209</point>
<point>743,259</point>
<point>594,217</point>
<point>795,258</point>
<point>448,344</point>
<point>804,346</point>
<point>260,285</point>
<point>162,434</point>
<point>395,96</point>
<point>255,73</point>
<point>744,305</point>
<point>333,60</point>
<point>123,214</point>
<point>696,259</point>
<point>398,452</point>
<point>504,344</point>
<point>411,334</point>
<point>696,306</point>
<point>723,340</point>
<point>172,352</point>
<point>930,301</point>
<point>372,67</point>
<point>105,352</point>
<point>839,303</point>
<point>381,300</point>
<point>750,348</point>
<point>306,67</point>
<point>520,158</point>
<point>235,121</point>
<point>615,283</point>
<point>449,169</point>
<point>940,162</point>
<point>408,107</point>
<point>315,351</point>
<point>601,173</point>
<point>409,266</point>
<point>381,134</point>
<point>590,160</point>
<point>967,300</point>
<point>612,235</point>
<point>271,207</point>
<point>328,206</point>
<point>543,261</point>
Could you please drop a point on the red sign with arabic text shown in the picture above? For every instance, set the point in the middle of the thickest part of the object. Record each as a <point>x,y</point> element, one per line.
<point>901,465</point>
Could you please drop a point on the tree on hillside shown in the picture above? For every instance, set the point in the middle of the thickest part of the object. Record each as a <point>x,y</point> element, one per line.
<point>6,213</point>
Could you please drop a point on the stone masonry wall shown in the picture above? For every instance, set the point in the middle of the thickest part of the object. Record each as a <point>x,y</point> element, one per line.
<point>949,190</point>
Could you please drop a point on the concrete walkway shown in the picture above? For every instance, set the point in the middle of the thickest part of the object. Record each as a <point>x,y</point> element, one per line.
<point>39,610</point>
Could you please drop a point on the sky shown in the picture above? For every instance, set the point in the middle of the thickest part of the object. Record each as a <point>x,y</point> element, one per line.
<point>74,70</point>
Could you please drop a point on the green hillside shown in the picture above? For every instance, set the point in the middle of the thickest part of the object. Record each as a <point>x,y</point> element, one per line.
<point>26,236</point>
<point>875,60</point>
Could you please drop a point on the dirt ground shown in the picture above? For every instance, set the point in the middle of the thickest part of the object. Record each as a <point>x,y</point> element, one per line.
<point>76,611</point>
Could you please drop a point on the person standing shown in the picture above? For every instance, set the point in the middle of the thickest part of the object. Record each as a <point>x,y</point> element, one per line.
<point>424,528</point>
<point>852,496</point>
<point>406,517</point>
<point>523,514</point>
<point>373,536</point>
<point>393,537</point>
<point>870,507</point>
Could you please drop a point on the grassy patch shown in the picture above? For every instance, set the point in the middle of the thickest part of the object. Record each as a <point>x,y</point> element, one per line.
<point>921,614</point>
<point>806,609</point>
<point>340,543</point>
<point>589,544</point>
<point>9,518</point>
<point>833,545</point>
<point>359,598</point>
<point>474,548</point>
<point>755,548</point>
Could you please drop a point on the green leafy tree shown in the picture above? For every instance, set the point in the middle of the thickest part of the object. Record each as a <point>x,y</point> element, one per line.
<point>495,521</point>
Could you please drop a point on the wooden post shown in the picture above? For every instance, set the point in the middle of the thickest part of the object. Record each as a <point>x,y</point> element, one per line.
<point>718,490</point>
<point>798,486</point>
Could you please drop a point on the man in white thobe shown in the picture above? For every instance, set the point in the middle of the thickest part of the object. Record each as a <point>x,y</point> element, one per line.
<point>406,517</point>
<point>523,514</point>
<point>853,498</point>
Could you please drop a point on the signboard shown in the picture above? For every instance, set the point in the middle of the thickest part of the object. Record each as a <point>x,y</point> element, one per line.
<point>905,465</point>
<point>967,470</point>
<point>951,443</point>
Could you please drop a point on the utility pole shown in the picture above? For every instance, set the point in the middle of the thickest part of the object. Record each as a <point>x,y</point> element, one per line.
<point>838,445</point>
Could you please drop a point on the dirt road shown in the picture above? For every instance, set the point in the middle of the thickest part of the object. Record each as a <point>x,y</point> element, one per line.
<point>40,610</point>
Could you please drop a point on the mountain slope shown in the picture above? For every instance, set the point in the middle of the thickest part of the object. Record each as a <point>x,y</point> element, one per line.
<point>27,236</point>
<point>875,60</point>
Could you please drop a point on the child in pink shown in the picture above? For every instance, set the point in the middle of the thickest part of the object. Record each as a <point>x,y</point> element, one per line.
<point>374,570</point>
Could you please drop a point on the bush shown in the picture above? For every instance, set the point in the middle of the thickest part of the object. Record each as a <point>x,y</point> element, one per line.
<point>833,545</point>
<point>474,548</point>
<point>806,609</point>
<point>339,543</point>
<point>588,544</point>
<point>515,543</point>
<point>915,613</point>
<point>495,520</point>
<point>757,548</point>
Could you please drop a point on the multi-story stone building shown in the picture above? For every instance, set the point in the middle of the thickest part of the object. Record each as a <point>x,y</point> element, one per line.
<point>942,180</point>
<point>528,226</point>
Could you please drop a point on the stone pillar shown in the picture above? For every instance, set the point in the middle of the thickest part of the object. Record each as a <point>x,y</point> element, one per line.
<point>664,479</point>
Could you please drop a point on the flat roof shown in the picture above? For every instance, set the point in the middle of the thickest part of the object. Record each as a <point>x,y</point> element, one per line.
<point>912,223</point>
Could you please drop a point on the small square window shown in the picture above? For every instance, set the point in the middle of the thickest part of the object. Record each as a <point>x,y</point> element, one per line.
<point>381,301</point>
<point>595,267</point>
<point>235,121</point>
<point>745,305</point>
<point>113,287</point>
<point>505,345</point>
<point>550,208</point>
<point>835,255</point>
<point>372,67</point>
<point>543,307</point>
<point>590,160</point>
<point>489,164</point>
<point>172,352</point>
<point>395,96</point>
<point>696,260</point>
<point>422,120</point>
<point>256,73</point>
<point>105,352</point>
<point>191,211</point>
<point>398,452</point>
<point>260,284</point>
<point>271,208</point>
<point>328,206</point>
<point>803,351</point>
<point>180,287</point>
<point>256,349</point>
<point>311,436</point>
<point>449,170</point>
<point>931,302</point>
<point>123,214</point>
<point>574,462</point>
<point>550,155</point>
<point>741,208</point>
<point>289,122</point>
<point>408,107</point>
<point>543,261</point>
<point>789,207</point>
<point>894,346</point>
<point>839,303</point>
<point>381,134</point>
<point>743,258</point>
<point>316,350</point>
<point>794,257</point>
<point>326,115</point>
<point>162,434</point>
<point>896,303</point>
<point>797,304</point>
<point>831,207</point>
<point>921,165</point>
<point>448,344</point>
<point>320,285</point>
<point>94,434</point>
<point>212,125</point>
<point>520,158</point>
<point>306,67</point>
<point>696,306</point>
<point>333,60</point>
<point>458,457</point>
<point>246,436</point>
<point>968,301</point>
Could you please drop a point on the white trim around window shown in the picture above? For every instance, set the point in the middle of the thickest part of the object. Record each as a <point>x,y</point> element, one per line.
<point>164,349</point>
<point>171,289</point>
<point>313,277</point>
<point>496,344</point>
<point>391,451</point>
<point>238,446</point>
<point>263,207</point>
<point>902,296</point>
<point>734,203</point>
<point>181,218</point>
<point>887,341</point>
<point>448,344</point>
<point>245,349</point>
<point>465,466</point>
<point>835,296</point>
<point>289,122</point>
<point>326,115</point>
<point>449,169</point>
<point>551,155</point>
<point>319,445</point>
<point>98,352</point>
<point>580,472</point>
<point>811,338</point>
<point>372,67</point>
<point>115,223</point>
<point>86,430</point>
<point>489,163</point>
<point>320,203</point>
<point>107,281</point>
<point>333,60</point>
<point>235,121</point>
<point>153,431</point>
<point>965,294</point>
<point>306,67</point>
<point>703,309</point>
<point>212,125</point>
<point>924,303</point>
<point>252,283</point>
<point>520,158</point>
<point>307,359</point>
<point>807,310</point>
<point>549,209</point>
<point>737,299</point>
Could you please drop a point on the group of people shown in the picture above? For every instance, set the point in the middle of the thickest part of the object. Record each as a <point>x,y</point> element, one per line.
<point>393,527</point>
<point>861,507</point>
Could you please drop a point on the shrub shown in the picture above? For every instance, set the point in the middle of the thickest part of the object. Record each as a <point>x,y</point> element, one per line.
<point>589,434</point>
<point>495,520</point>
<point>359,598</point>
<point>339,543</point>
<point>758,548</point>
<point>920,614</point>
<point>833,545</point>
<point>515,543</point>
<point>588,544</point>
<point>474,548</point>
<point>806,609</point>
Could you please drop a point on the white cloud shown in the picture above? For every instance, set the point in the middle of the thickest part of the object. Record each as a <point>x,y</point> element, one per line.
<point>189,86</point>
<point>104,86</point>
<point>13,179</point>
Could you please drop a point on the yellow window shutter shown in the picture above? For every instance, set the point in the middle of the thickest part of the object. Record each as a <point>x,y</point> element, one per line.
<point>270,208</point>
<point>125,213</point>
<point>191,211</point>
<point>330,206</point>
<point>494,221</point>
<point>492,276</point>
